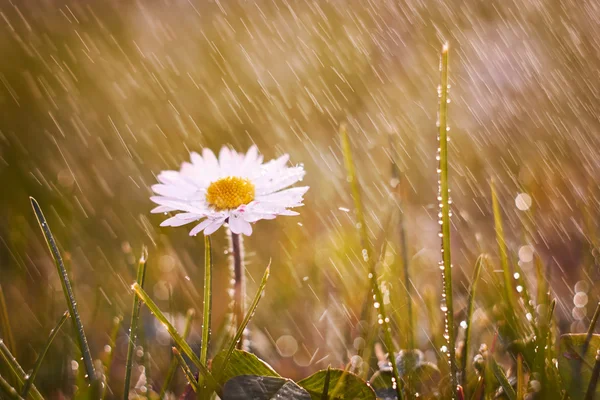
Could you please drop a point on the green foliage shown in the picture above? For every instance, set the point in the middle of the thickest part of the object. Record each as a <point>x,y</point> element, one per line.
<point>576,367</point>
<point>342,385</point>
<point>245,387</point>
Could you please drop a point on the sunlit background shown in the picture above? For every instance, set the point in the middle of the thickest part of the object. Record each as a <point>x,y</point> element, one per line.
<point>97,97</point>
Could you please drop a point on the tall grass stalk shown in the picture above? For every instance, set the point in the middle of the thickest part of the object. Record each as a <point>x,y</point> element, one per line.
<point>173,366</point>
<point>591,390</point>
<point>133,326</point>
<point>444,198</point>
<point>68,292</point>
<point>40,358</point>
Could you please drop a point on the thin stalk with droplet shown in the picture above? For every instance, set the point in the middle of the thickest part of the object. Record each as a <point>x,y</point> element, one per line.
<point>444,198</point>
<point>186,369</point>
<point>17,371</point>
<point>40,358</point>
<point>179,342</point>
<point>173,366</point>
<point>133,326</point>
<point>206,315</point>
<point>240,331</point>
<point>239,282</point>
<point>68,292</point>
<point>591,390</point>
<point>469,317</point>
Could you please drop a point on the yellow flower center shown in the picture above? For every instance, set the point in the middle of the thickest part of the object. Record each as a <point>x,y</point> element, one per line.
<point>231,192</point>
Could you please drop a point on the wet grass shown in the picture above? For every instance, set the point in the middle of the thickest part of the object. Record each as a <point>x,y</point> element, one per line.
<point>522,360</point>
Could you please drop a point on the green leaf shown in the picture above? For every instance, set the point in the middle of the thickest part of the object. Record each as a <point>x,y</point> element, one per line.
<point>241,363</point>
<point>572,364</point>
<point>254,387</point>
<point>342,385</point>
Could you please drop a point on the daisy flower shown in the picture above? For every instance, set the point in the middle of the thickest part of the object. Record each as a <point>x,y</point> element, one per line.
<point>238,189</point>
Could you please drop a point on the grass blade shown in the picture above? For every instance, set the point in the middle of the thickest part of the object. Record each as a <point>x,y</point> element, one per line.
<point>470,309</point>
<point>133,326</point>
<point>68,291</point>
<point>521,389</point>
<point>444,198</point>
<point>113,343</point>
<point>590,331</point>
<point>8,390</point>
<point>173,366</point>
<point>206,314</point>
<point>38,363</point>
<point>186,369</point>
<point>179,342</point>
<point>249,315</point>
<point>16,370</point>
<point>499,374</point>
<point>7,333</point>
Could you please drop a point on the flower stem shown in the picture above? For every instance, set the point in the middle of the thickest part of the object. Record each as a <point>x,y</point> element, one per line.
<point>239,284</point>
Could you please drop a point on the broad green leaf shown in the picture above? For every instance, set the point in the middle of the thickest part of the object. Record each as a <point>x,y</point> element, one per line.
<point>254,387</point>
<point>342,385</point>
<point>241,363</point>
<point>572,364</point>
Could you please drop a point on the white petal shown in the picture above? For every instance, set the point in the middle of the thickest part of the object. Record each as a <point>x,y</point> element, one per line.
<point>210,160</point>
<point>198,207</point>
<point>236,222</point>
<point>200,227</point>
<point>216,224</point>
<point>161,209</point>
<point>247,228</point>
<point>272,182</point>
<point>181,219</point>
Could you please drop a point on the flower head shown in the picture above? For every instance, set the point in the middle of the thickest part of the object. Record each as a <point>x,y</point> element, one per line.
<point>236,188</point>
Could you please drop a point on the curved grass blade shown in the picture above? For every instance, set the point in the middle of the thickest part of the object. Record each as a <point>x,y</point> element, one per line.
<point>68,291</point>
<point>591,329</point>
<point>499,374</point>
<point>249,315</point>
<point>470,308</point>
<point>7,333</point>
<point>133,327</point>
<point>17,371</point>
<point>207,311</point>
<point>8,390</point>
<point>38,363</point>
<point>113,343</point>
<point>444,197</point>
<point>173,366</point>
<point>179,342</point>
<point>186,369</point>
<point>508,292</point>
